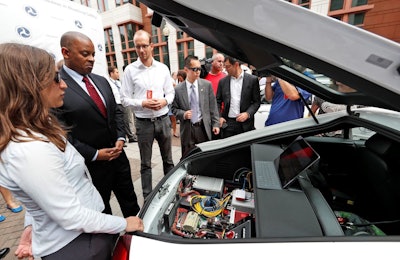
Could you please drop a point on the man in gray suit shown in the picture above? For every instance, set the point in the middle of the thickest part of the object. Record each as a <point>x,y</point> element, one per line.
<point>196,107</point>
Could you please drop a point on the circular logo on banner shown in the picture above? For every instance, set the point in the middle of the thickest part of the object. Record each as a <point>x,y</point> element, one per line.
<point>23,32</point>
<point>100,47</point>
<point>78,24</point>
<point>30,10</point>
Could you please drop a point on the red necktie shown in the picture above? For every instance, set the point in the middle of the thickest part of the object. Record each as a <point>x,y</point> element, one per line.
<point>95,96</point>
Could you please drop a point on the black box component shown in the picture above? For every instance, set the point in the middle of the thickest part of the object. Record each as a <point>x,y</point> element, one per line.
<point>243,230</point>
<point>169,216</point>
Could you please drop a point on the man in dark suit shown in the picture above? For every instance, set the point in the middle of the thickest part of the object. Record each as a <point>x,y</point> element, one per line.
<point>198,123</point>
<point>95,123</point>
<point>239,95</point>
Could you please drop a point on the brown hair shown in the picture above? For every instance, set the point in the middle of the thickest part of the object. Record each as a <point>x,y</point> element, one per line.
<point>181,73</point>
<point>25,72</point>
<point>111,69</point>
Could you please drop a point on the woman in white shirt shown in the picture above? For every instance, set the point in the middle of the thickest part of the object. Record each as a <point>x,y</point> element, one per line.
<point>44,171</point>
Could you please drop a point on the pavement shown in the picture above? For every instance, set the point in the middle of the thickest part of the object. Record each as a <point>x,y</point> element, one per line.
<point>11,228</point>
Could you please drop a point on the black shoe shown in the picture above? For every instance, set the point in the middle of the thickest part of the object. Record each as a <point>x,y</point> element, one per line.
<point>4,252</point>
<point>132,140</point>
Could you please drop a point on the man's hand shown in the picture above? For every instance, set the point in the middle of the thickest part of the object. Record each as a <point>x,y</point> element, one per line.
<point>154,104</point>
<point>188,115</point>
<point>108,154</point>
<point>242,117</point>
<point>119,145</point>
<point>24,249</point>
<point>215,130</point>
<point>221,121</point>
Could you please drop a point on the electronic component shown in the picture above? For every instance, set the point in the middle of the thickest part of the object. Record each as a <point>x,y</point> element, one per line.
<point>246,205</point>
<point>239,194</point>
<point>243,230</point>
<point>191,222</point>
<point>208,185</point>
<point>169,215</point>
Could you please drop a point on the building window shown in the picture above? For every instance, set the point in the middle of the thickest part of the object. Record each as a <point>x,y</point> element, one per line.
<point>356,19</point>
<point>102,5</point>
<point>126,32</point>
<point>209,52</point>
<point>349,11</point>
<point>110,50</point>
<point>160,43</point>
<point>336,5</point>
<point>185,46</point>
<point>358,2</point>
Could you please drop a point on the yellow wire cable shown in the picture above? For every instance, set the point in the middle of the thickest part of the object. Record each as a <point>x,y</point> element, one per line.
<point>200,210</point>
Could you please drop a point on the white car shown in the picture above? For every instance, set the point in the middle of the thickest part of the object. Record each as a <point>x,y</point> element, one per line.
<point>339,199</point>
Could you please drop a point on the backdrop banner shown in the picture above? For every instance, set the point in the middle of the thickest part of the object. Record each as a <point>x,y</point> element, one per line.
<point>42,22</point>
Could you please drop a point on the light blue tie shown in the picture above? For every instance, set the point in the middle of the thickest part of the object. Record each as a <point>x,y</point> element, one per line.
<point>194,105</point>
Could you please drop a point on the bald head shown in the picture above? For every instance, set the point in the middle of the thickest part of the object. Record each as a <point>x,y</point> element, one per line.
<point>143,35</point>
<point>78,52</point>
<point>69,37</point>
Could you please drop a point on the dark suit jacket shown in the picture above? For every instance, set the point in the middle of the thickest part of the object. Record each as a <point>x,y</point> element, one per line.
<point>89,130</point>
<point>250,99</point>
<point>208,108</point>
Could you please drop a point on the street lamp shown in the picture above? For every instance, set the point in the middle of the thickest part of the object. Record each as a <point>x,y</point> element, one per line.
<point>165,32</point>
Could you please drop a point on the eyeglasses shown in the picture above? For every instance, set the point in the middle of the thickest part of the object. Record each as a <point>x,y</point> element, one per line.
<point>144,47</point>
<point>57,77</point>
<point>195,69</point>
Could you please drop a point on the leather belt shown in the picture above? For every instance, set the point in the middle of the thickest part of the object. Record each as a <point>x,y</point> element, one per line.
<point>199,123</point>
<point>152,119</point>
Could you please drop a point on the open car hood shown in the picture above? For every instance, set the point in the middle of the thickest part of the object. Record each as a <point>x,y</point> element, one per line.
<point>265,33</point>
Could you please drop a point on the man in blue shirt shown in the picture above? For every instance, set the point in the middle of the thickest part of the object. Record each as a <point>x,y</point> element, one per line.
<point>286,102</point>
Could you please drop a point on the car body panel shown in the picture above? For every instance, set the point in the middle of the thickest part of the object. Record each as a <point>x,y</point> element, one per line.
<point>258,32</point>
<point>276,250</point>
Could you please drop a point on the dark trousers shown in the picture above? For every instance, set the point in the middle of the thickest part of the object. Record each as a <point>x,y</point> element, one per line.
<point>233,128</point>
<point>197,135</point>
<point>128,115</point>
<point>146,132</point>
<point>115,176</point>
<point>86,247</point>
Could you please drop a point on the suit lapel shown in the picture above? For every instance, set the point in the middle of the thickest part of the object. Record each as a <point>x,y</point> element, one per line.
<point>244,87</point>
<point>73,86</point>
<point>201,94</point>
<point>103,92</point>
<point>184,94</point>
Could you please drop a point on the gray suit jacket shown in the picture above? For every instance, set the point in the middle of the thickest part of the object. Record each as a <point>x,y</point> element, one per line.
<point>208,108</point>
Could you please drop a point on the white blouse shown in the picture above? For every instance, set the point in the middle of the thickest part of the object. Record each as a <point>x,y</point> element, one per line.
<point>56,189</point>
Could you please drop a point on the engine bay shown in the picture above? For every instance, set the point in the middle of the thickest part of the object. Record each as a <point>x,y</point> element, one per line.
<point>216,197</point>
<point>209,207</point>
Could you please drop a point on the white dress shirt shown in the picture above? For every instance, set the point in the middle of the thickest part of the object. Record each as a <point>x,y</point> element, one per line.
<point>56,189</point>
<point>236,92</point>
<point>115,87</point>
<point>79,80</point>
<point>138,79</point>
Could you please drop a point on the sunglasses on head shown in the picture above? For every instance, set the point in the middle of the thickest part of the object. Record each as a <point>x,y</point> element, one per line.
<point>195,69</point>
<point>57,77</point>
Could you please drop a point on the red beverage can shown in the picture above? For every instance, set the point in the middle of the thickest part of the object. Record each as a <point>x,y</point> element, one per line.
<point>149,94</point>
